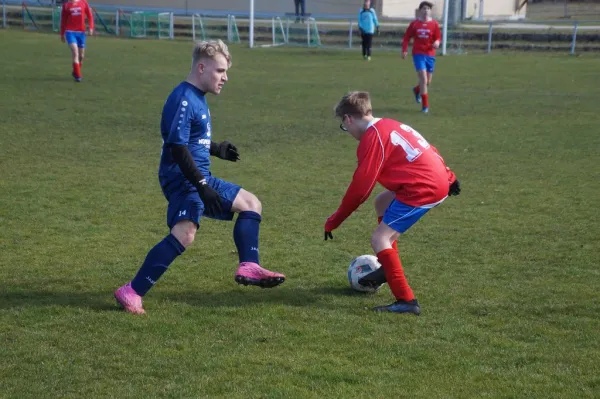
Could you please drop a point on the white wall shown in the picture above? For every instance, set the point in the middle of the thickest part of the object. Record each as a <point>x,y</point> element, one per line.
<point>491,8</point>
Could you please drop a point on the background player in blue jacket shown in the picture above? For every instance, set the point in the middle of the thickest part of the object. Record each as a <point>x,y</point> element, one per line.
<point>368,25</point>
<point>189,187</point>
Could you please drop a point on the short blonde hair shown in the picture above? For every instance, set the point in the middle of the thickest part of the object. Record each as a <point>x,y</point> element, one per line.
<point>355,103</point>
<point>209,49</point>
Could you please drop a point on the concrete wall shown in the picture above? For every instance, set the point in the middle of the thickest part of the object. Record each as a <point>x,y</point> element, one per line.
<point>491,8</point>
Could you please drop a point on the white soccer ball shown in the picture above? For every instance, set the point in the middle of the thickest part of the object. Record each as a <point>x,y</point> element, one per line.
<point>360,267</point>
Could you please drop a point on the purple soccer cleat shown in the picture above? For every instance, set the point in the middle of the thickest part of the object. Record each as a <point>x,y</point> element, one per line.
<point>250,273</point>
<point>129,299</point>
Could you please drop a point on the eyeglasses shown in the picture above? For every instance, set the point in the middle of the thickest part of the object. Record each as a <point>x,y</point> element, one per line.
<point>342,124</point>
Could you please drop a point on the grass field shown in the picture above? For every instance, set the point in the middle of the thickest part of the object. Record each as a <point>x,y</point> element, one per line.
<point>506,273</point>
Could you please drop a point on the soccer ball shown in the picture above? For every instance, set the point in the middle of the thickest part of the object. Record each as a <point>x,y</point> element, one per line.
<point>360,267</point>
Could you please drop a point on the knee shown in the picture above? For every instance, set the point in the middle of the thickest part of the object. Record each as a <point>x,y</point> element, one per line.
<point>185,233</point>
<point>382,201</point>
<point>250,202</point>
<point>378,242</point>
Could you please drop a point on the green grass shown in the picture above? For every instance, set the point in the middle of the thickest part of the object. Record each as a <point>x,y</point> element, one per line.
<point>507,273</point>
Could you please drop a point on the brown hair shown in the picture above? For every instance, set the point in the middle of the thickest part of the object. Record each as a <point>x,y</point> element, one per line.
<point>355,103</point>
<point>209,49</point>
<point>425,3</point>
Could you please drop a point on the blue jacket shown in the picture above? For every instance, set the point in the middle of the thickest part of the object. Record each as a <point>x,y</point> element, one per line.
<point>367,20</point>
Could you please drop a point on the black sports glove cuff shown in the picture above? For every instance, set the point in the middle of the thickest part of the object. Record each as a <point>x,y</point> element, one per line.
<point>214,149</point>
<point>181,154</point>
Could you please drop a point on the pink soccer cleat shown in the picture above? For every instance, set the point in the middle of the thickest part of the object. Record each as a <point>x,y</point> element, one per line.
<point>250,273</point>
<point>129,299</point>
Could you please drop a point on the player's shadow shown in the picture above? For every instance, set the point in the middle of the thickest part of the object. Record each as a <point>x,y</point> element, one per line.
<point>250,296</point>
<point>12,297</point>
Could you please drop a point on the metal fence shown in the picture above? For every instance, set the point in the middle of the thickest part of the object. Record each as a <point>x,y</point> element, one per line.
<point>567,37</point>
<point>557,9</point>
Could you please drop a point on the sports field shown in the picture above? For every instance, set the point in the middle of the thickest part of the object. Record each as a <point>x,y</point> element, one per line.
<point>506,273</point>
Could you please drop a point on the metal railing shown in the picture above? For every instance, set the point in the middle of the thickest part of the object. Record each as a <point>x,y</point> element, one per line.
<point>562,36</point>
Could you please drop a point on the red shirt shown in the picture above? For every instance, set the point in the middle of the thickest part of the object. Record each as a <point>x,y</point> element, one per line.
<point>424,34</point>
<point>401,160</point>
<point>73,16</point>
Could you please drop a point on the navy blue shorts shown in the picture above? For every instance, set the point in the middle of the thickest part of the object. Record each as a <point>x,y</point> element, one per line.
<point>424,62</point>
<point>75,37</point>
<point>187,205</point>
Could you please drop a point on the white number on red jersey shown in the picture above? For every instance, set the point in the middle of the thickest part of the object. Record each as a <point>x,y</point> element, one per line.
<point>412,152</point>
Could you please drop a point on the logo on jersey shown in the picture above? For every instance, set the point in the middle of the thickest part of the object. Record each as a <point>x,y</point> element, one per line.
<point>423,33</point>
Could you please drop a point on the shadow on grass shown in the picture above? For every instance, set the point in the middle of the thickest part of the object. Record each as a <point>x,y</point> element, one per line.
<point>13,297</point>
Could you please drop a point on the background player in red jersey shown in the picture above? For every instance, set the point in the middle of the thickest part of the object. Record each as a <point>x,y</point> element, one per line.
<point>416,179</point>
<point>72,30</point>
<point>426,34</point>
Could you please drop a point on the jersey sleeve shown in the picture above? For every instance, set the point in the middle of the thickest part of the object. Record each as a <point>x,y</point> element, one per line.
<point>371,158</point>
<point>407,35</point>
<point>181,121</point>
<point>375,20</point>
<point>360,28</point>
<point>437,34</point>
<point>63,19</point>
<point>451,175</point>
<point>90,16</point>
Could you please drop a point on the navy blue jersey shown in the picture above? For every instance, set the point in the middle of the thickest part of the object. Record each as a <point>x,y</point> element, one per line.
<point>185,120</point>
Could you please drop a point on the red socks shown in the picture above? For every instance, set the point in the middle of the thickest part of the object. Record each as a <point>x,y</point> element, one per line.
<point>417,89</point>
<point>395,275</point>
<point>425,100</point>
<point>77,69</point>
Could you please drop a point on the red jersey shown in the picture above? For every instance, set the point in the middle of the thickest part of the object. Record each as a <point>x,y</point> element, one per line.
<point>73,16</point>
<point>401,160</point>
<point>424,34</point>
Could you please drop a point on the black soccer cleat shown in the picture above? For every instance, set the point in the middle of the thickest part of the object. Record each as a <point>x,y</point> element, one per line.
<point>373,279</point>
<point>401,307</point>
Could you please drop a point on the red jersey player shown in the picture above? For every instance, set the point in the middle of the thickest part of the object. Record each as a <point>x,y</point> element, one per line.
<point>415,177</point>
<point>426,34</point>
<point>72,30</point>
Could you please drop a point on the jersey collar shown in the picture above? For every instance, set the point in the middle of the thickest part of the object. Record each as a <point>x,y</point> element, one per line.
<point>374,121</point>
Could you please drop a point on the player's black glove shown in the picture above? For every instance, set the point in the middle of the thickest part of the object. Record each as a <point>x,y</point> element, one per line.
<point>328,235</point>
<point>210,198</point>
<point>454,188</point>
<point>225,150</point>
<point>377,31</point>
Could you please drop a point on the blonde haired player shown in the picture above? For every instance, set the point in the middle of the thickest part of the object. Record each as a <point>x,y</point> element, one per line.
<point>415,177</point>
<point>191,190</point>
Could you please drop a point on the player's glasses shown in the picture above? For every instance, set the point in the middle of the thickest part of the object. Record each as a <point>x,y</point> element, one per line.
<point>342,124</point>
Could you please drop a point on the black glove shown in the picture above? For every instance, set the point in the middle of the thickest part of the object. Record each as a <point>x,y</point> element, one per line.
<point>226,151</point>
<point>377,31</point>
<point>454,188</point>
<point>328,235</point>
<point>210,198</point>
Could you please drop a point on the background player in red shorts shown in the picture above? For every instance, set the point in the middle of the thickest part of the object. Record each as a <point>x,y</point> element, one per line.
<point>72,31</point>
<point>416,179</point>
<point>426,34</point>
